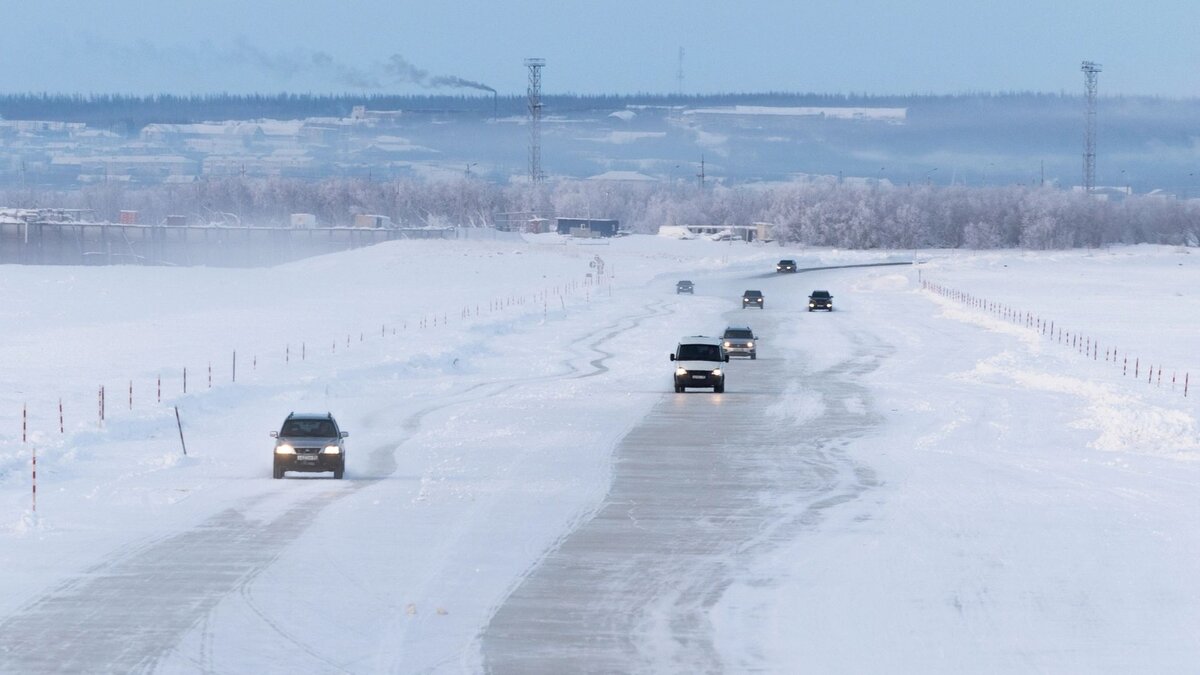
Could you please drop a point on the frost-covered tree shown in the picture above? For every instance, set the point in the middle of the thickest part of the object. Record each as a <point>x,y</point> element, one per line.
<point>806,212</point>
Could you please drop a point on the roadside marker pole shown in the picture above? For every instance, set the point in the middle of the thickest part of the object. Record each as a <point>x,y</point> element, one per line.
<point>35,479</point>
<point>179,424</point>
<point>60,417</point>
<point>131,394</point>
<point>24,421</point>
<point>159,387</point>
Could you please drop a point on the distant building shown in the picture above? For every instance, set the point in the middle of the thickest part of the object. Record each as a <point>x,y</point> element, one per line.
<point>730,232</point>
<point>588,227</point>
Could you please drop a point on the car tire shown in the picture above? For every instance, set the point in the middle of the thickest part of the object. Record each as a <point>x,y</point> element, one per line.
<point>754,357</point>
<point>719,389</point>
<point>678,389</point>
<point>276,470</point>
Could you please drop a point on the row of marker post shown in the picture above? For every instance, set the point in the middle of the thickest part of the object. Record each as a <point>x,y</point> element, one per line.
<point>1085,345</point>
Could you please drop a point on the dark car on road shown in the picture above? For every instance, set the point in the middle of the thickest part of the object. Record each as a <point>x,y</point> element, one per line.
<point>740,341</point>
<point>309,442</point>
<point>785,266</point>
<point>685,286</point>
<point>752,299</point>
<point>820,300</point>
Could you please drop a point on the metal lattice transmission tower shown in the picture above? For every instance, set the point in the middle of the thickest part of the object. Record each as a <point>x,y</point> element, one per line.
<point>1090,71</point>
<point>534,91</point>
<point>679,74</point>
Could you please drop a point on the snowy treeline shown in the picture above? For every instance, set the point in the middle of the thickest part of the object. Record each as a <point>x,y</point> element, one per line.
<point>818,213</point>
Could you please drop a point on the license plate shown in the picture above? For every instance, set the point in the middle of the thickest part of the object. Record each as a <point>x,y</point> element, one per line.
<point>306,458</point>
<point>698,377</point>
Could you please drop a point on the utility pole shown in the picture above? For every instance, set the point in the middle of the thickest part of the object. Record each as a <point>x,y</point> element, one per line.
<point>1090,70</point>
<point>701,174</point>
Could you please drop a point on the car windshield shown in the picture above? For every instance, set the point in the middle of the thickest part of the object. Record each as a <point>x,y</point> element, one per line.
<point>685,283</point>
<point>320,428</point>
<point>820,294</point>
<point>739,333</point>
<point>753,294</point>
<point>698,353</point>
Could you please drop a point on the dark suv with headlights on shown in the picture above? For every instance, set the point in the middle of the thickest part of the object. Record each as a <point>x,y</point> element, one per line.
<point>752,299</point>
<point>785,266</point>
<point>685,286</point>
<point>698,363</point>
<point>310,442</point>
<point>820,300</point>
<point>739,341</point>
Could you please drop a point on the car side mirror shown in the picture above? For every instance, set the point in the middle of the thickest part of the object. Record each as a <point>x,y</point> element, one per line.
<point>345,434</point>
<point>672,356</point>
<point>274,434</point>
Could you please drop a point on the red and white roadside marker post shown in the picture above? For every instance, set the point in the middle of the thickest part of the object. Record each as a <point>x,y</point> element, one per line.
<point>35,479</point>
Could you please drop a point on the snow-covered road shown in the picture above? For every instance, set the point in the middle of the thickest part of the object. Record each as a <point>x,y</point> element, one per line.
<point>903,484</point>
<point>703,486</point>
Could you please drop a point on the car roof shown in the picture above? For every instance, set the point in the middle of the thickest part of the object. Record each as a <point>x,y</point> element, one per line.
<point>738,327</point>
<point>700,340</point>
<point>816,292</point>
<point>310,416</point>
<point>752,292</point>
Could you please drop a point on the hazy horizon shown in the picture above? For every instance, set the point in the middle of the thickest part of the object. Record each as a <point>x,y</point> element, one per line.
<point>937,47</point>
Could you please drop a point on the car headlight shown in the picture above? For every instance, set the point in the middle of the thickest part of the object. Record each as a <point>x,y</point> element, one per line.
<point>750,344</point>
<point>716,372</point>
<point>681,371</point>
<point>284,449</point>
<point>727,344</point>
<point>331,450</point>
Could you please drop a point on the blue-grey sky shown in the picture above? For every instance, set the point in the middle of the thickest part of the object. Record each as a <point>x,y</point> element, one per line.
<point>611,46</point>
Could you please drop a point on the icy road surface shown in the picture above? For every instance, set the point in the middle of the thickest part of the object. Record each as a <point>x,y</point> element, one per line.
<point>906,484</point>
<point>705,484</point>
